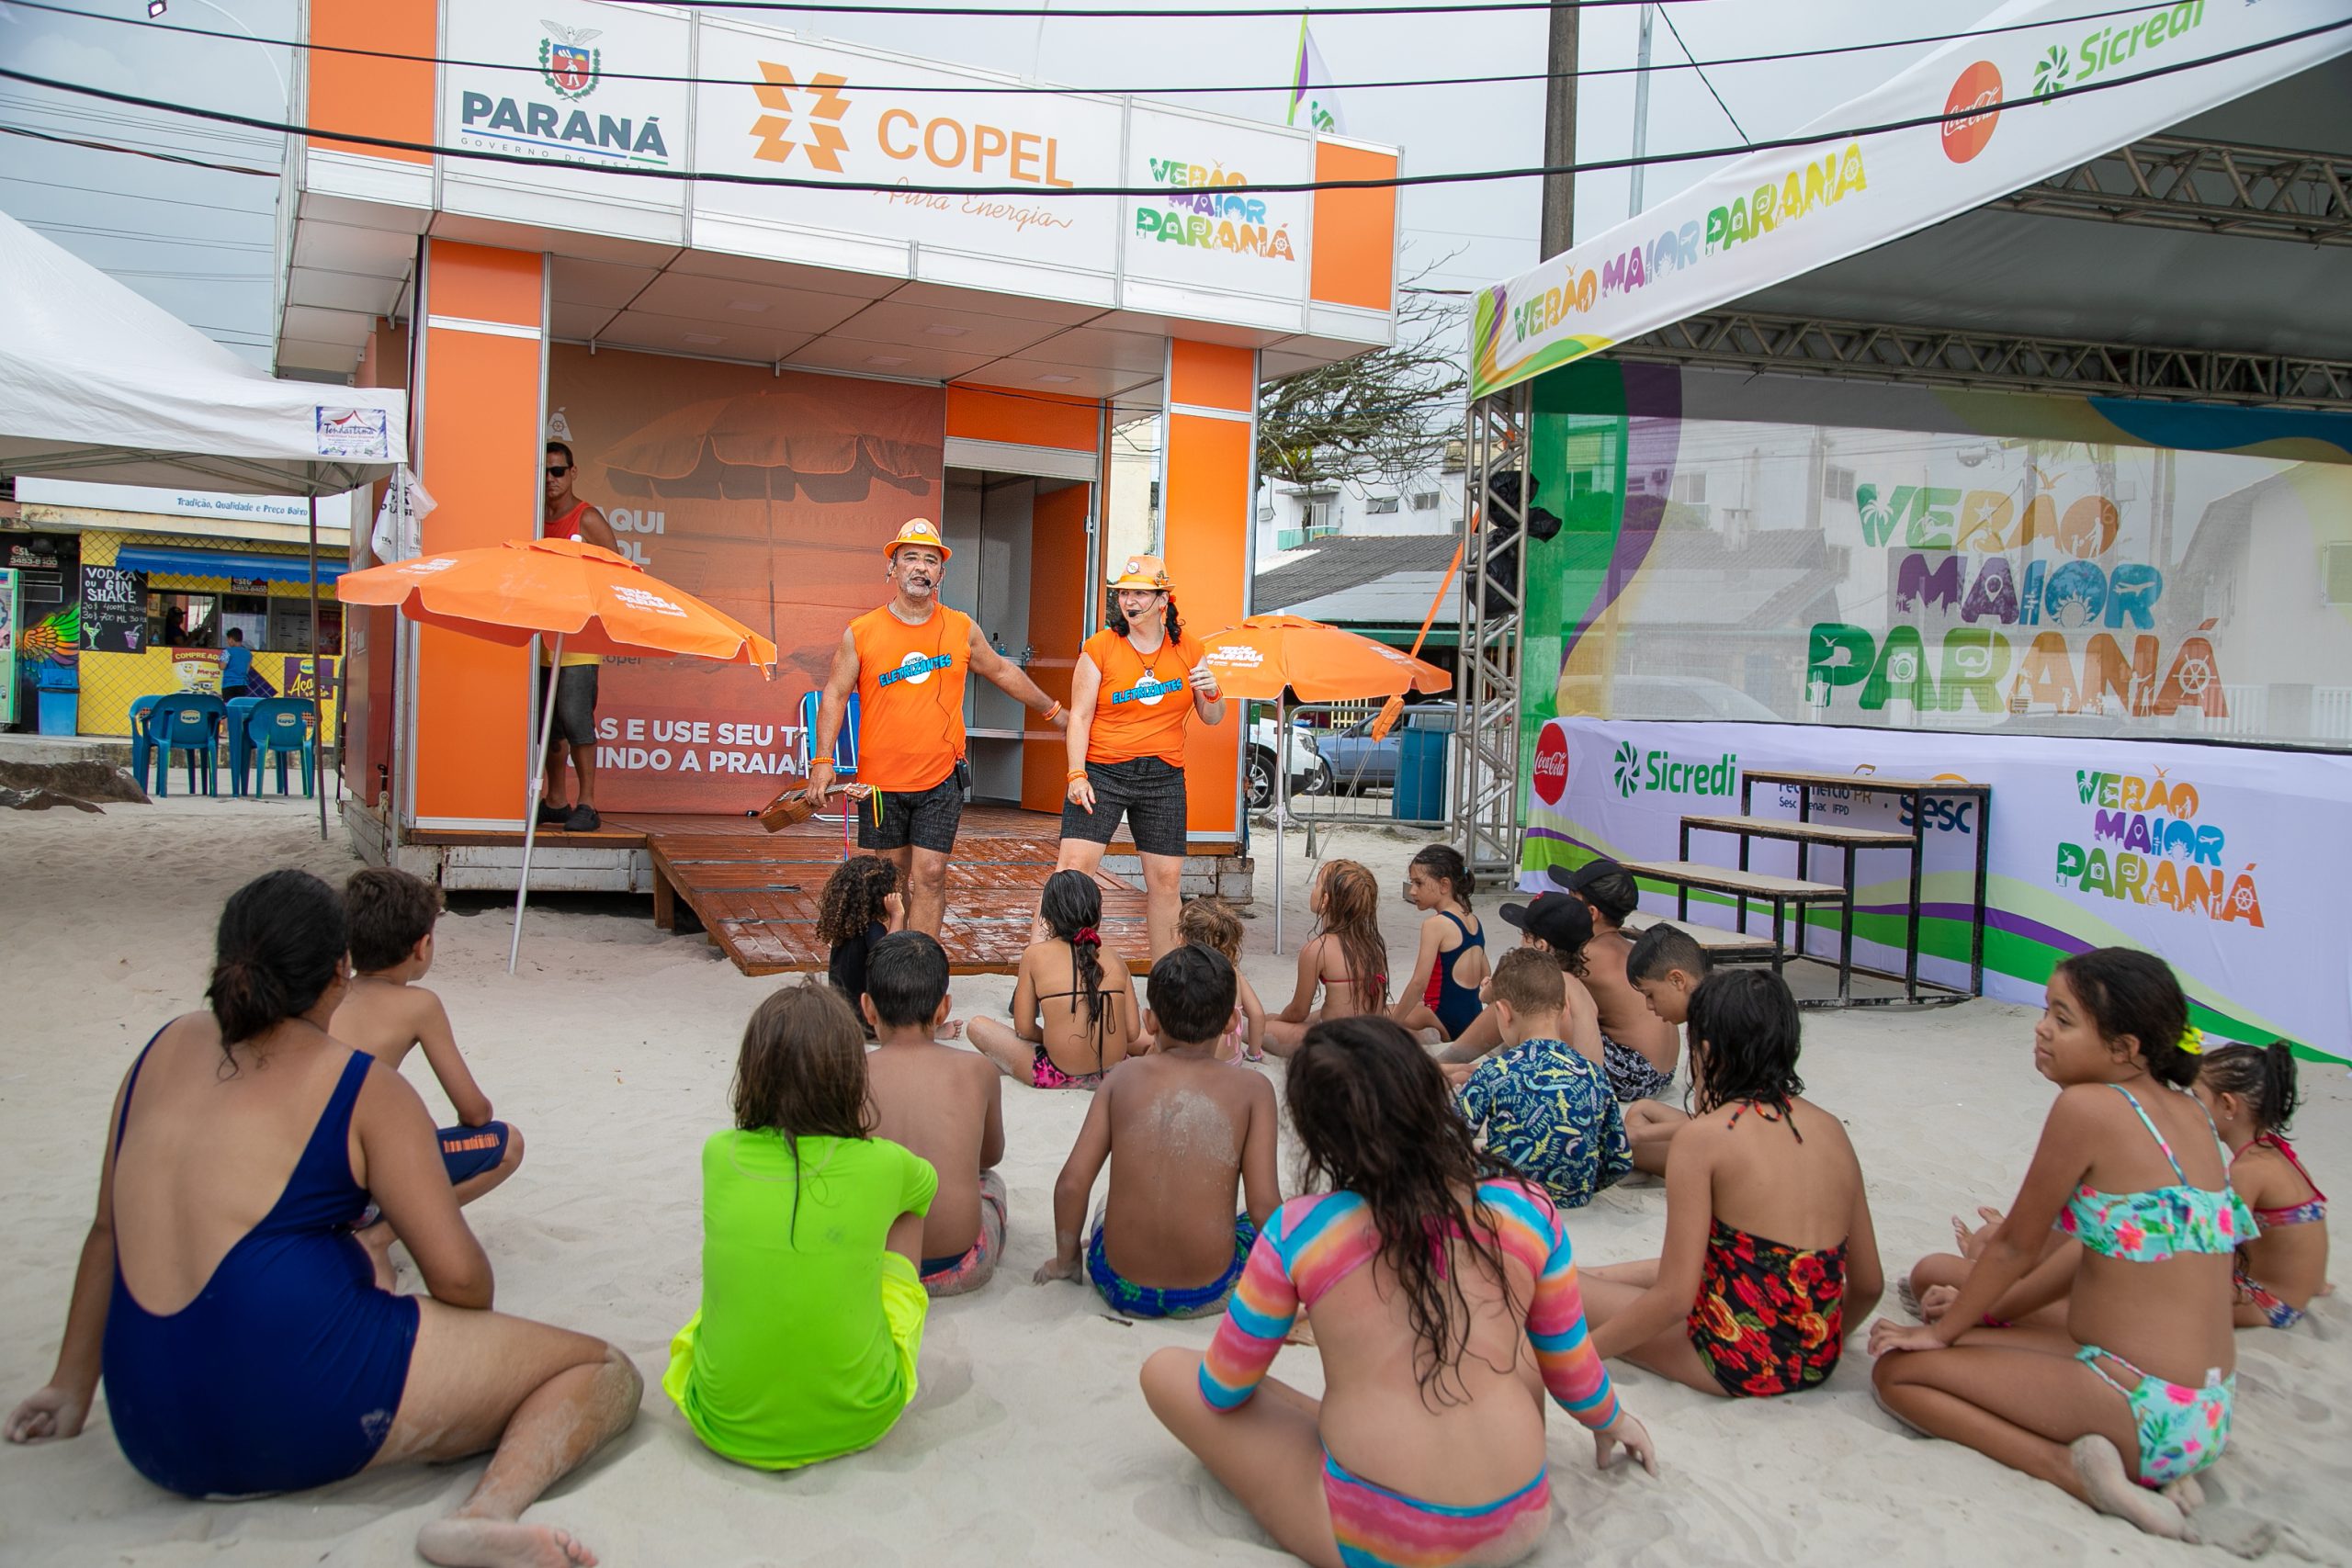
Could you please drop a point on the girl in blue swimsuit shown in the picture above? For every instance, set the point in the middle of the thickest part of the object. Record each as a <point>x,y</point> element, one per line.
<point>249,1358</point>
<point>1443,990</point>
<point>2145,1373</point>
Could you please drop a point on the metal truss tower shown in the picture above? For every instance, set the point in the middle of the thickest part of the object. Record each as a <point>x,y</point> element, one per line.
<point>1486,761</point>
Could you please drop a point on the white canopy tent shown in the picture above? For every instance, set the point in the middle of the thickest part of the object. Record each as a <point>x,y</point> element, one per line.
<point>99,383</point>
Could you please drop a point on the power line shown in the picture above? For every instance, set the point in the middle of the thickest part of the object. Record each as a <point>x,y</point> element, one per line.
<point>1153,92</point>
<point>140,197</point>
<point>1668,17</point>
<point>1388,182</point>
<point>136,153</point>
<point>148,239</point>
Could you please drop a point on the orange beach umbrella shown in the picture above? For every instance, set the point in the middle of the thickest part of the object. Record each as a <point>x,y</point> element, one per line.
<point>1258,658</point>
<point>584,598</point>
<point>1268,655</point>
<point>597,601</point>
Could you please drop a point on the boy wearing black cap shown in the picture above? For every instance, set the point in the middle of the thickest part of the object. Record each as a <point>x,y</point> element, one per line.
<point>1641,1048</point>
<point>1559,924</point>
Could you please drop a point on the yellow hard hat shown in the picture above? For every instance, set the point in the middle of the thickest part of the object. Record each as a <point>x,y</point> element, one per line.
<point>1146,573</point>
<point>917,531</point>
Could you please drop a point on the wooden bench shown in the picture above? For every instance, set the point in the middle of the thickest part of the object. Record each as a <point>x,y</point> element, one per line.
<point>1720,945</point>
<point>1781,892</point>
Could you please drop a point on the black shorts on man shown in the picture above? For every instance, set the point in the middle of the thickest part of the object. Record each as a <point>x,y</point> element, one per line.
<point>575,701</point>
<point>1146,789</point>
<point>926,818</point>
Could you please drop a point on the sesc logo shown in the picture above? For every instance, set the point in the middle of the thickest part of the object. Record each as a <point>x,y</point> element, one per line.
<point>1552,765</point>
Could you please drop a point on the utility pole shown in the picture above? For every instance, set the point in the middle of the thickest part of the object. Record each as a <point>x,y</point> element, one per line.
<point>1560,132</point>
<point>1641,109</point>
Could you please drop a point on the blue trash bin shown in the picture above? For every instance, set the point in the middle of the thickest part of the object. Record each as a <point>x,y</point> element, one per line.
<point>60,689</point>
<point>1421,774</point>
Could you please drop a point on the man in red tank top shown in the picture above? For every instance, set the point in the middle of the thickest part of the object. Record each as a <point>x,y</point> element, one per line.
<point>908,662</point>
<point>572,688</point>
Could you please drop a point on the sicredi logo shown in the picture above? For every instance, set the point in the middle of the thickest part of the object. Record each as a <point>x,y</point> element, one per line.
<point>813,115</point>
<point>1552,765</point>
<point>1634,770</point>
<point>1977,89</point>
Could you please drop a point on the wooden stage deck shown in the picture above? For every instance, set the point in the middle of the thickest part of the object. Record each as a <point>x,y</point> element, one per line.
<point>756,893</point>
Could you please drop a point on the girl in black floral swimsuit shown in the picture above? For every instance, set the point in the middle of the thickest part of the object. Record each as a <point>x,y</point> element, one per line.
<point>1769,1256</point>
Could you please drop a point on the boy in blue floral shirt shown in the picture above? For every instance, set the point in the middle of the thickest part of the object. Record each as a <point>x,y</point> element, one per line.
<point>1542,1104</point>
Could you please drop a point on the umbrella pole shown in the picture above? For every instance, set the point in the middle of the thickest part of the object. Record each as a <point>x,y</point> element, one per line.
<point>531,803</point>
<point>1281,801</point>
<point>318,711</point>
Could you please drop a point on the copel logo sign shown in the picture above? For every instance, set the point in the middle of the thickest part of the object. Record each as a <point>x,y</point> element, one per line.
<point>1022,157</point>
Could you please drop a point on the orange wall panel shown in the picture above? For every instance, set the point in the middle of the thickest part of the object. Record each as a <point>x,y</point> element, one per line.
<point>481,283</point>
<point>1212,376</point>
<point>370,93</point>
<point>479,455</point>
<point>1026,418</point>
<point>1211,469</point>
<point>1059,593</point>
<point>1354,253</point>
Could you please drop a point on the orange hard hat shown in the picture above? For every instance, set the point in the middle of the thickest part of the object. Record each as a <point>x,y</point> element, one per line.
<point>917,531</point>
<point>1146,573</point>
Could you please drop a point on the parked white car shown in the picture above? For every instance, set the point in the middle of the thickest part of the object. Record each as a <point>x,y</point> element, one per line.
<point>1308,775</point>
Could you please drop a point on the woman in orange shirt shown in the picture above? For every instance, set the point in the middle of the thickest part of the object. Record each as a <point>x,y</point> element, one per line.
<point>1136,682</point>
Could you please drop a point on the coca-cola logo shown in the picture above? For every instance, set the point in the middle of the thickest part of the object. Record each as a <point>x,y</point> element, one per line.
<point>1552,765</point>
<point>1978,89</point>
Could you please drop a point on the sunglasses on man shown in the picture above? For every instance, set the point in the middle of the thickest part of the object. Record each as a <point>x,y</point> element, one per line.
<point>557,470</point>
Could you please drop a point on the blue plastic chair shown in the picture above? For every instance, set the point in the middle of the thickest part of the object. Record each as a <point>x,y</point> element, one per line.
<point>280,726</point>
<point>844,744</point>
<point>240,709</point>
<point>192,722</point>
<point>142,748</point>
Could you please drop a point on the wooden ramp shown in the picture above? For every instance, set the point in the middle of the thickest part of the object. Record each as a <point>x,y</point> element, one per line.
<point>756,893</point>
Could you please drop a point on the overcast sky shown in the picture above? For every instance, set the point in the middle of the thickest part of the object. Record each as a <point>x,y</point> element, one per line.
<point>200,242</point>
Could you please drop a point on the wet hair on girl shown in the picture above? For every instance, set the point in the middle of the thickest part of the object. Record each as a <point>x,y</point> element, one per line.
<point>2132,994</point>
<point>1212,924</point>
<point>1375,1117</point>
<point>2262,1075</point>
<point>282,940</point>
<point>1444,863</point>
<point>801,1071</point>
<point>1350,916</point>
<point>1745,1035</point>
<point>853,898</point>
<point>1072,907</point>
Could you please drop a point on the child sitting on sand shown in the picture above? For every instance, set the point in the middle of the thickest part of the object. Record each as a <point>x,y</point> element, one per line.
<point>1452,959</point>
<point>1665,965</point>
<point>812,1313</point>
<point>2250,1092</point>
<point>1540,1105</point>
<point>943,1104</point>
<point>386,1013</point>
<point>1212,924</point>
<point>1434,1273</point>
<point>1641,1048</point>
<point>1558,924</point>
<point>1073,1002</point>
<point>1185,1137</point>
<point>1347,957</point>
<point>862,904</point>
<point>1769,1254</point>
<point>2139,1386</point>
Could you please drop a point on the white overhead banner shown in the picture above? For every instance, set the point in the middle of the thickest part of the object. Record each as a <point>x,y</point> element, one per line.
<point>2215,858</point>
<point>2053,94</point>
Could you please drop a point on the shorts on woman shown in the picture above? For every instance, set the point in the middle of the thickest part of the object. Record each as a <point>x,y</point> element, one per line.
<point>1148,791</point>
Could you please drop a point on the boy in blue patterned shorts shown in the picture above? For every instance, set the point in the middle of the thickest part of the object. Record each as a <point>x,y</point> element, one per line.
<point>1541,1103</point>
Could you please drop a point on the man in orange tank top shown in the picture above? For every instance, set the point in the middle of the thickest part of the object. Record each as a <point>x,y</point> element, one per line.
<point>572,688</point>
<point>908,662</point>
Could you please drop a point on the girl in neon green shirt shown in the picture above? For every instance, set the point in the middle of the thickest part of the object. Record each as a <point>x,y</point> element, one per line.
<point>812,1311</point>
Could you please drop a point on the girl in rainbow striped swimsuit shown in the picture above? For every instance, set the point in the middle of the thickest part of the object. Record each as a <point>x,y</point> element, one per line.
<point>1420,1251</point>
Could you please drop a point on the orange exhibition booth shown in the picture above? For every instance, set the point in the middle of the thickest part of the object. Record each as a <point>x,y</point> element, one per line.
<point>572,225</point>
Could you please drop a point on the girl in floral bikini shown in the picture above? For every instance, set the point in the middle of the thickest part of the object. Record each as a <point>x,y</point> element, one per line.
<point>1769,1254</point>
<point>2138,1385</point>
<point>2250,1092</point>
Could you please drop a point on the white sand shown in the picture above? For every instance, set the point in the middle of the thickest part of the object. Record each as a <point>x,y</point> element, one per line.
<point>1029,1440</point>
